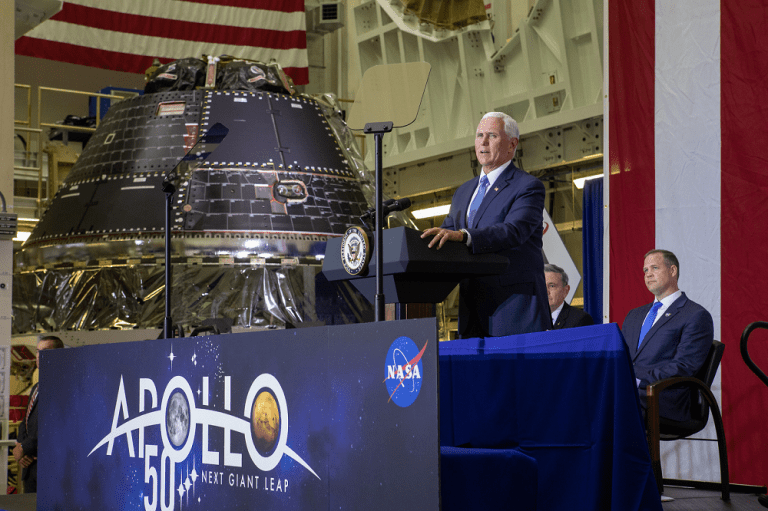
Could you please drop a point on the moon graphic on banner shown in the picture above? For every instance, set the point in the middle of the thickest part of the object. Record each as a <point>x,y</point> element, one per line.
<point>265,419</point>
<point>177,418</point>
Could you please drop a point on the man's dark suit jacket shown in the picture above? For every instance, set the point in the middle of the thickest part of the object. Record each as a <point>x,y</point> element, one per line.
<point>571,317</point>
<point>677,345</point>
<point>509,222</point>
<point>27,437</point>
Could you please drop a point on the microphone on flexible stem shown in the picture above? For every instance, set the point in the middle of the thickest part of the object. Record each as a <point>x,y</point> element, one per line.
<point>371,212</point>
<point>387,207</point>
<point>169,181</point>
<point>397,205</point>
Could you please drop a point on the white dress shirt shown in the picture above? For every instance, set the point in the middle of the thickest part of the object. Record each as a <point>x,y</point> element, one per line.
<point>556,312</point>
<point>665,303</point>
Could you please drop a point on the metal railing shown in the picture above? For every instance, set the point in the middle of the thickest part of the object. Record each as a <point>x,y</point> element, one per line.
<point>45,189</point>
<point>40,91</point>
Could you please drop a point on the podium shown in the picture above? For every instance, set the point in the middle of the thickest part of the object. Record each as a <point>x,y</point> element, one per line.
<point>412,272</point>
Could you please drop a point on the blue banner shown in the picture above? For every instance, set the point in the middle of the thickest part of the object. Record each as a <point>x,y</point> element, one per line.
<point>338,417</point>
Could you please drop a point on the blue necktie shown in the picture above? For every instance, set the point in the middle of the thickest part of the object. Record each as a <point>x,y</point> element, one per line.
<point>477,200</point>
<point>648,323</point>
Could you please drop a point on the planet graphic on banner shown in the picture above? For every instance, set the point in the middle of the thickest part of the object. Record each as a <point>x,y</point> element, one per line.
<point>265,419</point>
<point>177,418</point>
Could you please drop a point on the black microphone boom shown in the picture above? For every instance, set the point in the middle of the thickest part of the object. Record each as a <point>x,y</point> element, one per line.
<point>396,205</point>
<point>387,207</point>
<point>202,149</point>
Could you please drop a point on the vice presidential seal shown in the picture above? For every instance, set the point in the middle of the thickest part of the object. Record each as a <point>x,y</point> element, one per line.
<point>355,250</point>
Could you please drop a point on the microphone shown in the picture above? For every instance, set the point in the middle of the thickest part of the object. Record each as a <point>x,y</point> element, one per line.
<point>387,207</point>
<point>396,205</point>
<point>202,149</point>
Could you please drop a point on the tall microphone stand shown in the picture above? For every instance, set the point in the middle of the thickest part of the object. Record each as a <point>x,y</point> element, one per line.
<point>202,149</point>
<point>170,189</point>
<point>378,129</point>
<point>389,96</point>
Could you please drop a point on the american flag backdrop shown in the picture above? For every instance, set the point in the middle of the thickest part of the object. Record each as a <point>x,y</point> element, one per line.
<point>688,160</point>
<point>128,35</point>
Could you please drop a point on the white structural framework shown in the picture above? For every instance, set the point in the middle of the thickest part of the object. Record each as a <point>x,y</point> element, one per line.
<point>546,73</point>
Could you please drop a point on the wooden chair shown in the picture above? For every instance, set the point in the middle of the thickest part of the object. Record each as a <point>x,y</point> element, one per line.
<point>659,428</point>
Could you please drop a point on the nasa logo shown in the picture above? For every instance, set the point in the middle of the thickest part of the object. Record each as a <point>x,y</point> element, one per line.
<point>403,371</point>
<point>355,250</point>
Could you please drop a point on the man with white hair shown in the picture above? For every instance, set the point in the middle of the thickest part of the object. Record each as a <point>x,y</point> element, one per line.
<point>499,211</point>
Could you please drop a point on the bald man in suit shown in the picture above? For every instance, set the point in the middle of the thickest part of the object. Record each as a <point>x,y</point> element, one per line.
<point>675,340</point>
<point>499,211</point>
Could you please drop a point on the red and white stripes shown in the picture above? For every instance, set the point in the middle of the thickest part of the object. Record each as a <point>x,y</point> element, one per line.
<point>127,36</point>
<point>688,136</point>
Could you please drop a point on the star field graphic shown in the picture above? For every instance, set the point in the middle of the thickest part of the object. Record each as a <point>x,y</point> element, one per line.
<point>290,419</point>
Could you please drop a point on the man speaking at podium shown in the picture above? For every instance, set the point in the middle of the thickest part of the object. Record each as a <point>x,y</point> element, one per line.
<point>501,211</point>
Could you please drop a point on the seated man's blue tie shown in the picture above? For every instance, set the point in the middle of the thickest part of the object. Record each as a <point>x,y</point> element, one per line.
<point>648,323</point>
<point>477,200</point>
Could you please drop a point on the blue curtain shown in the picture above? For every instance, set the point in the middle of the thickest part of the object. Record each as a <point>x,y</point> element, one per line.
<point>592,248</point>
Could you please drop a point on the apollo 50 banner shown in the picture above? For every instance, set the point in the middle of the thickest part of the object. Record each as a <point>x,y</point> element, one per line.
<point>321,418</point>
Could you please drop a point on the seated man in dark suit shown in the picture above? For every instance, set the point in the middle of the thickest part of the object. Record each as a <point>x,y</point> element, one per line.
<point>669,337</point>
<point>563,315</point>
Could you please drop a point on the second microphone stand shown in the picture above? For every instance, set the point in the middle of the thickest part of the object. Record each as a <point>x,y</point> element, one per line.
<point>378,129</point>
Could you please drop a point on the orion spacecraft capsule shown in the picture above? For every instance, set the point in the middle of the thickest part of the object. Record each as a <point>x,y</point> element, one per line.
<point>249,224</point>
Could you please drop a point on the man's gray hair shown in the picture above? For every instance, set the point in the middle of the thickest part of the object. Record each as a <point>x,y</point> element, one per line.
<point>553,268</point>
<point>510,125</point>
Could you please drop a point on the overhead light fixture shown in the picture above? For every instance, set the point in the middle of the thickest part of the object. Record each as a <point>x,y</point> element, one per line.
<point>431,212</point>
<point>22,236</point>
<point>579,182</point>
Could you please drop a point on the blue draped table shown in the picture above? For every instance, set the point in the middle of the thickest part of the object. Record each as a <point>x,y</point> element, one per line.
<point>487,479</point>
<point>566,398</point>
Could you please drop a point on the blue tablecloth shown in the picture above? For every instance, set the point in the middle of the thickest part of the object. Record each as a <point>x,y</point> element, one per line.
<point>566,398</point>
<point>487,479</point>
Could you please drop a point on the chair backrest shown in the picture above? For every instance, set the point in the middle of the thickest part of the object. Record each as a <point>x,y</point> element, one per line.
<point>711,363</point>
<point>707,375</point>
<point>673,430</point>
